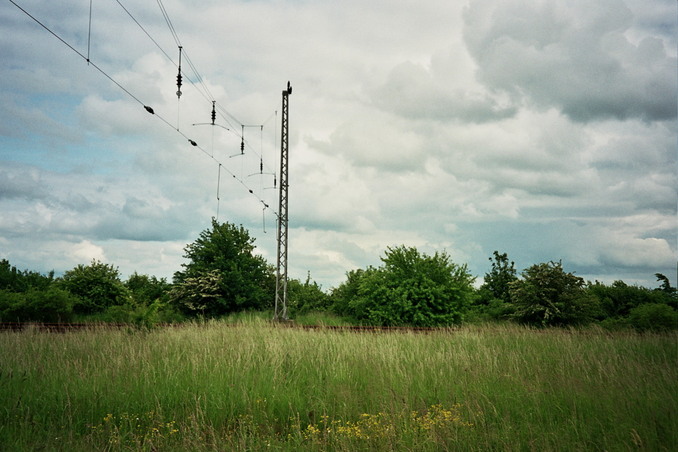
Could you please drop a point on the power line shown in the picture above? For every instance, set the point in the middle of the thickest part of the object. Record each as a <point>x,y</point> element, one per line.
<point>169,23</point>
<point>196,79</point>
<point>145,31</point>
<point>149,109</point>
<point>205,92</point>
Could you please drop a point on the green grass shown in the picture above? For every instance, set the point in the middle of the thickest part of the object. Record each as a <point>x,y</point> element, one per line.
<point>248,385</point>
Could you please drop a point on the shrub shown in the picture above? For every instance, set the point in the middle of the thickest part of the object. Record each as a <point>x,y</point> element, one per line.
<point>51,305</point>
<point>548,296</point>
<point>97,285</point>
<point>306,297</point>
<point>222,260</point>
<point>413,289</point>
<point>653,317</point>
<point>619,298</point>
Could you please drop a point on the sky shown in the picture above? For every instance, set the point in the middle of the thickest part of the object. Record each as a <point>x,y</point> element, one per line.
<point>542,129</point>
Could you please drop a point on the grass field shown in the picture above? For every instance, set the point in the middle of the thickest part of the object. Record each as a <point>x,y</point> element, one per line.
<point>252,386</point>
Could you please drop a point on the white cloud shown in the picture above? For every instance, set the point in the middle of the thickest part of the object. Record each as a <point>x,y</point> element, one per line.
<point>87,251</point>
<point>543,129</point>
<point>574,56</point>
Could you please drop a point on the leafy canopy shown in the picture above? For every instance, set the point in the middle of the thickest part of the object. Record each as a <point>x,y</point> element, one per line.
<point>97,285</point>
<point>497,281</point>
<point>223,274</point>
<point>412,288</point>
<point>15,280</point>
<point>548,296</point>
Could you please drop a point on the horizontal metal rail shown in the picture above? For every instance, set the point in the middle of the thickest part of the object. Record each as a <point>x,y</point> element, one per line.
<point>80,326</point>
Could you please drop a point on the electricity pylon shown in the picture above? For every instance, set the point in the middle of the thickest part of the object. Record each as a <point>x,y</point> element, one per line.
<point>281,267</point>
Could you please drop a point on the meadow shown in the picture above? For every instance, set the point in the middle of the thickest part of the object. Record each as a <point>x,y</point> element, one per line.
<point>251,385</point>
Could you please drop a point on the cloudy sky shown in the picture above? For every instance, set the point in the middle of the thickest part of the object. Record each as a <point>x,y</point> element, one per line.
<point>543,129</point>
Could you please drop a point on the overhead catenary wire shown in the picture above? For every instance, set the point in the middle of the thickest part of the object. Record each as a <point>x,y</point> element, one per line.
<point>218,189</point>
<point>169,23</point>
<point>145,31</point>
<point>197,81</point>
<point>204,90</point>
<point>148,108</point>
<point>89,31</point>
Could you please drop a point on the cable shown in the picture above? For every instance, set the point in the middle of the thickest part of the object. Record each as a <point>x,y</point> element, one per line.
<point>218,185</point>
<point>149,109</point>
<point>146,32</point>
<point>89,30</point>
<point>169,23</point>
<point>198,83</point>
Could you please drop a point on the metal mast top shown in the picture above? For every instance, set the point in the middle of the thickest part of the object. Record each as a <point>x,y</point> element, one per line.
<point>281,267</point>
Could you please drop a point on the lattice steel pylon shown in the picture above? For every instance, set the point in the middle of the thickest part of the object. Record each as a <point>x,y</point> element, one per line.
<point>281,267</point>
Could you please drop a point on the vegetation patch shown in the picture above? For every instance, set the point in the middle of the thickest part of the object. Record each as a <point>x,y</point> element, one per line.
<point>250,385</point>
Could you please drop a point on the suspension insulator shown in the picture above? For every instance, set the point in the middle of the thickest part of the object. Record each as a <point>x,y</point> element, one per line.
<point>179,75</point>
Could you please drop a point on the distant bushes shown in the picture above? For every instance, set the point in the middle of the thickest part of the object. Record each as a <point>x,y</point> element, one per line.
<point>91,292</point>
<point>50,305</point>
<point>409,288</point>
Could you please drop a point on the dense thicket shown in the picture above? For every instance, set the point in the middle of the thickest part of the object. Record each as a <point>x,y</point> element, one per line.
<point>548,296</point>
<point>410,288</point>
<point>223,275</point>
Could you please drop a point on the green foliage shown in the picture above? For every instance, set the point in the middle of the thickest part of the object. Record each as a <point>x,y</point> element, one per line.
<point>306,297</point>
<point>223,275</point>
<point>412,289</point>
<point>97,285</point>
<point>142,316</point>
<point>49,305</point>
<point>653,317</point>
<point>665,285</point>
<point>493,298</point>
<point>200,295</point>
<point>16,280</point>
<point>547,295</point>
<point>323,318</point>
<point>342,295</point>
<point>498,280</point>
<point>619,299</point>
<point>146,289</point>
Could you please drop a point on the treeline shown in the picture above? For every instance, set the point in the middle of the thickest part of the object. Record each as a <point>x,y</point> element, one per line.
<point>223,275</point>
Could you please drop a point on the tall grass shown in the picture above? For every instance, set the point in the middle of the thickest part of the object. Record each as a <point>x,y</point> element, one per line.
<point>247,385</point>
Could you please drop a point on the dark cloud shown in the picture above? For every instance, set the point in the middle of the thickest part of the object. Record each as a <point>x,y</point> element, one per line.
<point>412,92</point>
<point>547,130</point>
<point>576,59</point>
<point>22,183</point>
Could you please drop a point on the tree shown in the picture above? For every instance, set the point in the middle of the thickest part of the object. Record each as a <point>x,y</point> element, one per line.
<point>665,284</point>
<point>498,280</point>
<point>307,296</point>
<point>146,289</point>
<point>226,252</point>
<point>342,295</point>
<point>16,280</point>
<point>670,293</point>
<point>199,294</point>
<point>413,289</point>
<point>653,317</point>
<point>548,296</point>
<point>493,299</point>
<point>619,299</point>
<point>97,285</point>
